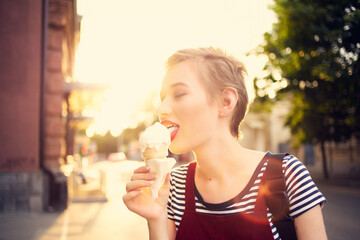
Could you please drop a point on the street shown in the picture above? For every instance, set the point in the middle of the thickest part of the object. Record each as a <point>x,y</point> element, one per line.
<point>341,212</point>
<point>112,220</point>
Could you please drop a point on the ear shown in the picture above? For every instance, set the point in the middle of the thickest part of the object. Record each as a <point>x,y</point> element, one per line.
<point>228,100</point>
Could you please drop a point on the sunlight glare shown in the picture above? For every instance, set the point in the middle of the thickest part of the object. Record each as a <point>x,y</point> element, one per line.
<point>125,44</point>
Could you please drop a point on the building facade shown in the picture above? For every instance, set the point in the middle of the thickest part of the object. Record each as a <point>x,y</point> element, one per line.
<point>266,131</point>
<point>37,45</point>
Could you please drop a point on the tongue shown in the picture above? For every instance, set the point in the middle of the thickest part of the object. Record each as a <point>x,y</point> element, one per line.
<point>173,131</point>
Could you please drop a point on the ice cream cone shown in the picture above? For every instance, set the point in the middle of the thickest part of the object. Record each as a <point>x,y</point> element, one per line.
<point>154,144</point>
<point>160,167</point>
<point>156,152</point>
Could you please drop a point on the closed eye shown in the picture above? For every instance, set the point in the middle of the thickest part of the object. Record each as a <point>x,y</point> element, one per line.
<point>179,95</point>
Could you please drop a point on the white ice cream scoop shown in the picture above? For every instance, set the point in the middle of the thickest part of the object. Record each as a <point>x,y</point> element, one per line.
<point>154,143</point>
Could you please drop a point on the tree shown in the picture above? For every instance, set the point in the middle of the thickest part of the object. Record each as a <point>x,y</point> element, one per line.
<point>132,134</point>
<point>105,144</point>
<point>315,46</point>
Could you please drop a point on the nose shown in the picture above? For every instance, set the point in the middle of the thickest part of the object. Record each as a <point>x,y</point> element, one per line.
<point>163,110</point>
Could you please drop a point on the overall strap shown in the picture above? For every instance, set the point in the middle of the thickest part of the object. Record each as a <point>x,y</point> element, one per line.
<point>190,188</point>
<point>277,200</point>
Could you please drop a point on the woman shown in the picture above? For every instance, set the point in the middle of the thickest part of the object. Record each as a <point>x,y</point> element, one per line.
<point>203,101</point>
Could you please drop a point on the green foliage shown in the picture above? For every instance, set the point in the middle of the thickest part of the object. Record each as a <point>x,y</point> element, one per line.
<point>132,134</point>
<point>261,104</point>
<point>316,45</point>
<point>105,144</point>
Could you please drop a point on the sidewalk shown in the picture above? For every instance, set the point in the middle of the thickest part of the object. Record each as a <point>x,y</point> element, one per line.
<point>88,216</point>
<point>81,221</point>
<point>26,225</point>
<point>93,189</point>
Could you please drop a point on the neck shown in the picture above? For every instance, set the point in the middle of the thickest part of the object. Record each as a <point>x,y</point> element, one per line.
<point>214,162</point>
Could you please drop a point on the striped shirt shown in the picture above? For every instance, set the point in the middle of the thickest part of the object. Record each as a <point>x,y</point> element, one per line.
<point>301,190</point>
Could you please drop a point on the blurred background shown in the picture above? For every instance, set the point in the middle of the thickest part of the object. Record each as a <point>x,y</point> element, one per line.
<point>80,80</point>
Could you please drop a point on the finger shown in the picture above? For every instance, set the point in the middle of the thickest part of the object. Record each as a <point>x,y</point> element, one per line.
<point>143,176</point>
<point>135,185</point>
<point>142,169</point>
<point>131,195</point>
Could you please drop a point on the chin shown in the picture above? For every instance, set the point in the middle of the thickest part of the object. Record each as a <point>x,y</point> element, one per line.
<point>178,149</point>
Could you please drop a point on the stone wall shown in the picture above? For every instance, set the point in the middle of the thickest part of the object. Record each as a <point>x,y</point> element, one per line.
<point>21,191</point>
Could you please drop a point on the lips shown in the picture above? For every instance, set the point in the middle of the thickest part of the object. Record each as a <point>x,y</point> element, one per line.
<point>172,127</point>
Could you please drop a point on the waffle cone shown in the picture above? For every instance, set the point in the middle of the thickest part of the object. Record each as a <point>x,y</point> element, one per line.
<point>157,152</point>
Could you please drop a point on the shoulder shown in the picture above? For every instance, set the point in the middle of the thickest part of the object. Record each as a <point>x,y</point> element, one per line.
<point>287,160</point>
<point>290,161</point>
<point>178,174</point>
<point>177,187</point>
<point>294,171</point>
<point>302,191</point>
<point>180,171</point>
<point>293,167</point>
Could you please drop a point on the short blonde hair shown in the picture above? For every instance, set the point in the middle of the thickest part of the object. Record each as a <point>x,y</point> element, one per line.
<point>218,71</point>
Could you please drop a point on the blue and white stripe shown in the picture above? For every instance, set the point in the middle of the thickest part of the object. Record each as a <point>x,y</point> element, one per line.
<point>302,192</point>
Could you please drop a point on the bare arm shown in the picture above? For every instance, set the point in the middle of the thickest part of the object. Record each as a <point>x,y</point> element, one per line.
<point>310,225</point>
<point>171,229</point>
<point>138,199</point>
<point>157,231</point>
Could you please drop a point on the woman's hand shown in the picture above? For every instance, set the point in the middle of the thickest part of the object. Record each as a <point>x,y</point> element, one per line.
<point>138,198</point>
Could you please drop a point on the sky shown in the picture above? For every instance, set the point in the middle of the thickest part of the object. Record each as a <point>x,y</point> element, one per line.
<point>125,43</point>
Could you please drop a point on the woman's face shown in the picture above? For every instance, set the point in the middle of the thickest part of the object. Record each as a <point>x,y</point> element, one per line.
<point>186,108</point>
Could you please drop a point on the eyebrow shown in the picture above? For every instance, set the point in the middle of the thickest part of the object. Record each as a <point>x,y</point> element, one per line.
<point>174,85</point>
<point>178,84</point>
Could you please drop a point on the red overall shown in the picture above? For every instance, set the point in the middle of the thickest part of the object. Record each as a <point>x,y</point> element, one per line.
<point>199,226</point>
